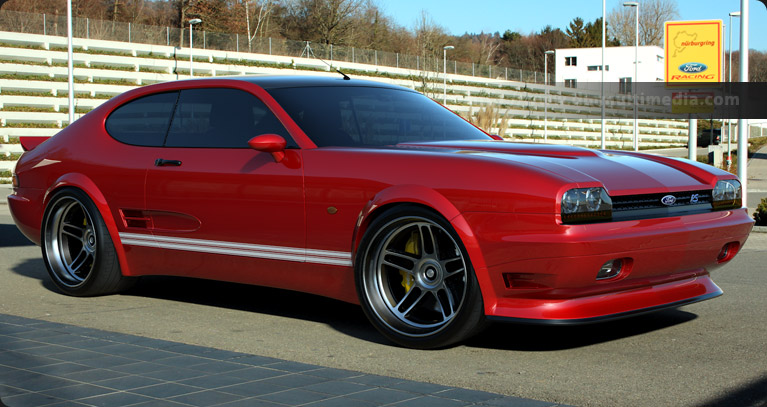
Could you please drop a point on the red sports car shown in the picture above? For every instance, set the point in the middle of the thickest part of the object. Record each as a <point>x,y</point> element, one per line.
<point>375,194</point>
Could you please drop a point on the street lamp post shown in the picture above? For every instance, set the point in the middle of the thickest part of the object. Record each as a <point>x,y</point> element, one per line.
<point>729,121</point>
<point>636,71</point>
<point>546,97</point>
<point>444,76</point>
<point>743,123</point>
<point>70,66</point>
<point>602,97</point>
<point>192,22</point>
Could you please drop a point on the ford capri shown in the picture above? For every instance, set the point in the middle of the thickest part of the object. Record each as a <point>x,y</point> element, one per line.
<point>373,194</point>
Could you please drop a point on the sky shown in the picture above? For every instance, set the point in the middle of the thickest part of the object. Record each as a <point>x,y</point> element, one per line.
<point>528,16</point>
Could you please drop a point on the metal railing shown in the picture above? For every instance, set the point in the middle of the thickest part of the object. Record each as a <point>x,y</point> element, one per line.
<point>89,28</point>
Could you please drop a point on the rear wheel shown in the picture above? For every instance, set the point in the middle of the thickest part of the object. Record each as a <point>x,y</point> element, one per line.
<point>415,281</point>
<point>77,249</point>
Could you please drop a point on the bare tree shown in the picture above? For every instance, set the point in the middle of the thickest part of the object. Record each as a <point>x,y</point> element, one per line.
<point>324,21</point>
<point>487,46</point>
<point>262,12</point>
<point>652,15</point>
<point>429,39</point>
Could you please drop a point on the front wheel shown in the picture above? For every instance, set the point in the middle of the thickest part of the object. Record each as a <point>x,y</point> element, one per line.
<point>415,281</point>
<point>77,250</point>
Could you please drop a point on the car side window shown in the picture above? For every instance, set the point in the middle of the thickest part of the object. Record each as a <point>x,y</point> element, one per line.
<point>143,121</point>
<point>221,118</point>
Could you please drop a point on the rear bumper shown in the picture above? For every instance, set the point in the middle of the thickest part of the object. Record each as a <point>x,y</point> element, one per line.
<point>546,273</point>
<point>24,205</point>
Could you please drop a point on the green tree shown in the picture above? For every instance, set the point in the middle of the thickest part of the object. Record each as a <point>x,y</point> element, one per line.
<point>576,32</point>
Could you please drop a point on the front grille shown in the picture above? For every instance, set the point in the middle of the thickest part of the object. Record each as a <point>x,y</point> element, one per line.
<point>648,206</point>
<point>652,201</point>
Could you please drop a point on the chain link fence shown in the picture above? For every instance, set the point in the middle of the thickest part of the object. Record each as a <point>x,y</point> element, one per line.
<point>56,25</point>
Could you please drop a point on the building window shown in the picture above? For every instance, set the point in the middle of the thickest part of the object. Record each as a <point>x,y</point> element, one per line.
<point>571,61</point>
<point>598,68</point>
<point>625,86</point>
<point>571,83</point>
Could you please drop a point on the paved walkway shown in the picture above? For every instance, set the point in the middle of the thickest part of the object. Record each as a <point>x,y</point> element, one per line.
<point>58,365</point>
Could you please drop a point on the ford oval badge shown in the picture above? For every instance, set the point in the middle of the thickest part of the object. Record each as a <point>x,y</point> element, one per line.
<point>668,200</point>
<point>693,67</point>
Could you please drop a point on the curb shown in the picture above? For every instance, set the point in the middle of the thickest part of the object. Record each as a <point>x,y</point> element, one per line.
<point>759,229</point>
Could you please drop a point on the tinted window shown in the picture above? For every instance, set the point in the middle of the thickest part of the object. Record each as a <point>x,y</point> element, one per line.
<point>368,116</point>
<point>144,121</point>
<point>220,118</point>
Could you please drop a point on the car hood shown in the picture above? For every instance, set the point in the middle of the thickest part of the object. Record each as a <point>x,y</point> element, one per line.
<point>621,173</point>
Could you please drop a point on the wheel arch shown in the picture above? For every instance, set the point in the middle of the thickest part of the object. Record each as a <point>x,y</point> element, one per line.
<point>435,202</point>
<point>86,185</point>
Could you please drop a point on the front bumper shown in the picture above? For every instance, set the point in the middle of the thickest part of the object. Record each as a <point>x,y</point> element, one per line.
<point>538,271</point>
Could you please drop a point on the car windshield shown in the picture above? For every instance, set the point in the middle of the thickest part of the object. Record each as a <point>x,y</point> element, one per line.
<point>371,116</point>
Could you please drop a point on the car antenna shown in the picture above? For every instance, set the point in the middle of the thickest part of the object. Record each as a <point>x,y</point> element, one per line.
<point>308,51</point>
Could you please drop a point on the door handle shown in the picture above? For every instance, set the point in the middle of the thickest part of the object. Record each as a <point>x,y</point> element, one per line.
<point>161,162</point>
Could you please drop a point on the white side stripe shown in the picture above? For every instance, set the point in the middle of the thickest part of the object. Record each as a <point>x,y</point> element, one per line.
<point>239,249</point>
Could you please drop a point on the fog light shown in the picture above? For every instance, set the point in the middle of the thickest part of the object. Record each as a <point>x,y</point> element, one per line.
<point>610,269</point>
<point>728,252</point>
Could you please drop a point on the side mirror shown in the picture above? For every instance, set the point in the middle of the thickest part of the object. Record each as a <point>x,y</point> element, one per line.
<point>269,143</point>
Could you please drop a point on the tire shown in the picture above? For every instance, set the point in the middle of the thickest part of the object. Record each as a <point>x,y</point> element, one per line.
<point>415,281</point>
<point>77,249</point>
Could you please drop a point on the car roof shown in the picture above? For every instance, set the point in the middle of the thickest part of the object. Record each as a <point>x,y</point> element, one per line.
<point>303,81</point>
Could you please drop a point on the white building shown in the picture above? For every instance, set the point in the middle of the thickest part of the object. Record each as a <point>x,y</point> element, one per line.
<point>576,67</point>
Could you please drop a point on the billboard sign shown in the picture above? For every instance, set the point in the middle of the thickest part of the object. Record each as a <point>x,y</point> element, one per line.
<point>693,52</point>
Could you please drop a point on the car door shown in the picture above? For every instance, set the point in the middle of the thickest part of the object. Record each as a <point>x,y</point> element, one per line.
<point>137,131</point>
<point>218,208</point>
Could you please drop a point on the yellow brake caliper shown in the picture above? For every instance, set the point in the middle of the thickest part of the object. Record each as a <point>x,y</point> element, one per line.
<point>410,247</point>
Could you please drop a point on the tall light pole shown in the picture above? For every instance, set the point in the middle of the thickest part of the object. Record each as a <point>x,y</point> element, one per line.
<point>192,22</point>
<point>636,71</point>
<point>444,76</point>
<point>546,97</point>
<point>602,100</point>
<point>729,121</point>
<point>743,123</point>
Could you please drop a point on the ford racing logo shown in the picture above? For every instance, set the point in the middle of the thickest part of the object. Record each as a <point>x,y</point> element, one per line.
<point>668,200</point>
<point>693,67</point>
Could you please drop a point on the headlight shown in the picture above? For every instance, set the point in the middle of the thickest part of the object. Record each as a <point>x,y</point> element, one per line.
<point>583,205</point>
<point>727,195</point>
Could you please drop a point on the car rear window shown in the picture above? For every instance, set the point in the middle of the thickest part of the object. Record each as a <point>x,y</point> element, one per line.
<point>143,121</point>
<point>370,116</point>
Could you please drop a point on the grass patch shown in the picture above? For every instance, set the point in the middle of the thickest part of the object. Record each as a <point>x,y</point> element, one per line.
<point>11,157</point>
<point>25,93</point>
<point>28,109</point>
<point>153,70</point>
<point>34,126</point>
<point>77,109</point>
<point>113,67</point>
<point>25,46</point>
<point>114,81</point>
